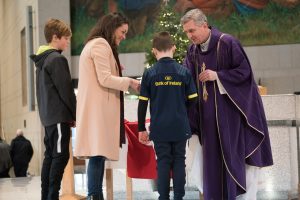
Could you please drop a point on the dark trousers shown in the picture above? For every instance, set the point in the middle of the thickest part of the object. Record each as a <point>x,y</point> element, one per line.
<point>95,173</point>
<point>57,139</point>
<point>170,157</point>
<point>20,169</point>
<point>4,174</point>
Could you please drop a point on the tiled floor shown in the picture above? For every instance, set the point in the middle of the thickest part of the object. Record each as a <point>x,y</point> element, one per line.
<point>20,188</point>
<point>29,189</point>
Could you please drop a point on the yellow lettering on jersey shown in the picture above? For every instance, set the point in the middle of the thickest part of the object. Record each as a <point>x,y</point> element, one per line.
<point>168,78</point>
<point>168,83</point>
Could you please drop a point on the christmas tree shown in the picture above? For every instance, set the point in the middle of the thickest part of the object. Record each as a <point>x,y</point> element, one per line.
<point>168,20</point>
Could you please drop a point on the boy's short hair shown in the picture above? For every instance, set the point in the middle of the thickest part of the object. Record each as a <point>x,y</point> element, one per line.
<point>162,41</point>
<point>56,27</point>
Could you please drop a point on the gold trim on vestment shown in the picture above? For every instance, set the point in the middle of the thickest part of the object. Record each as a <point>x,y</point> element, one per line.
<point>216,107</point>
<point>218,47</point>
<point>247,123</point>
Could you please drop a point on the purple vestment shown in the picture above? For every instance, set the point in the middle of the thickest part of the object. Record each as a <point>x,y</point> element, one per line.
<point>234,128</point>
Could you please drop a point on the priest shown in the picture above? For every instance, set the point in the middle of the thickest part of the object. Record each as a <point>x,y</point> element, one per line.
<point>229,117</point>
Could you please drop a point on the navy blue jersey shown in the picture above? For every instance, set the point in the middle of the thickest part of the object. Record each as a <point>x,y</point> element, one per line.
<point>168,86</point>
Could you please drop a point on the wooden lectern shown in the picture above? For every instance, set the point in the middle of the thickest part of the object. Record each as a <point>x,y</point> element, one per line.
<point>67,186</point>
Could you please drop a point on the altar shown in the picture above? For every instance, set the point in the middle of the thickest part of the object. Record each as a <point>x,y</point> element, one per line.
<point>283,116</point>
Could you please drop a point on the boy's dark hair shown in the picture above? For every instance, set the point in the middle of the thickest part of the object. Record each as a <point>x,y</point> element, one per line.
<point>162,41</point>
<point>56,27</point>
<point>106,27</point>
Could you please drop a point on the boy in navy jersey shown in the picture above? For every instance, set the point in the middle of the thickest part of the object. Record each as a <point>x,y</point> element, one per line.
<point>169,87</point>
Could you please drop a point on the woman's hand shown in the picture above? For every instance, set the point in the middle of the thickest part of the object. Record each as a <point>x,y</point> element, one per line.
<point>135,85</point>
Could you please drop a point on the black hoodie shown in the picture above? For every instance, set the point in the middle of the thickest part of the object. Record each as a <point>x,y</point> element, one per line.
<point>55,94</point>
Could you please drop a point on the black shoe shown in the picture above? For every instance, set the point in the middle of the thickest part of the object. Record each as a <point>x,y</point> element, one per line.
<point>96,197</point>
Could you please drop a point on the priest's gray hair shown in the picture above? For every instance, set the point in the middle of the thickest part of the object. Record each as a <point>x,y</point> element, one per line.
<point>196,15</point>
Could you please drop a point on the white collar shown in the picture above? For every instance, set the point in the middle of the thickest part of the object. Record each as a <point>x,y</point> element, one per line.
<point>204,45</point>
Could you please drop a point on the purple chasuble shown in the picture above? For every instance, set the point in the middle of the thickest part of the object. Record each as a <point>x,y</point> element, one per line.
<point>234,131</point>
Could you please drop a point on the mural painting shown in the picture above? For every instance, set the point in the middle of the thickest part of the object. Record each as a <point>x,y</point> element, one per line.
<point>254,22</point>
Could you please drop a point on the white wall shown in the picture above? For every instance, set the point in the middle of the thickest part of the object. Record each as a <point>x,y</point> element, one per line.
<point>59,9</point>
<point>277,66</point>
<point>134,64</point>
<point>13,113</point>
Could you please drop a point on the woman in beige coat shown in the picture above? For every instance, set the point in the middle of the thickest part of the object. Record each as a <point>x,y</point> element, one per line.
<point>100,104</point>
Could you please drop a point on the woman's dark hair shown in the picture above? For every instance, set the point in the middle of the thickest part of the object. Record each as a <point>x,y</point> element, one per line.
<point>106,27</point>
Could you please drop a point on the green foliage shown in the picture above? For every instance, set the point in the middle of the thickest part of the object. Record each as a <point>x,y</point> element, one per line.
<point>169,21</point>
<point>139,43</point>
<point>272,25</point>
<point>81,25</point>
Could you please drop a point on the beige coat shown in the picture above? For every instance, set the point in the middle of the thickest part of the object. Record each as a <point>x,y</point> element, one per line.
<point>98,102</point>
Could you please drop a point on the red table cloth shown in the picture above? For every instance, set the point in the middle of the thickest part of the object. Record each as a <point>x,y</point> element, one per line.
<point>141,161</point>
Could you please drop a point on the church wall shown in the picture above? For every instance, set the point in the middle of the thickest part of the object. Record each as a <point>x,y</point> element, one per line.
<point>14,113</point>
<point>277,66</point>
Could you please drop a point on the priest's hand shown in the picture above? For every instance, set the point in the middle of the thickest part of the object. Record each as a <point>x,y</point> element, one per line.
<point>144,137</point>
<point>207,75</point>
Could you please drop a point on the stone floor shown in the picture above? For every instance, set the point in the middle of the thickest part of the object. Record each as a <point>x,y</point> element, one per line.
<point>29,189</point>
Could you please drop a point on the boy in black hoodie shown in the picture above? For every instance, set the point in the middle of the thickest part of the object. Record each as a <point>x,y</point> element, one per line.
<point>56,103</point>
